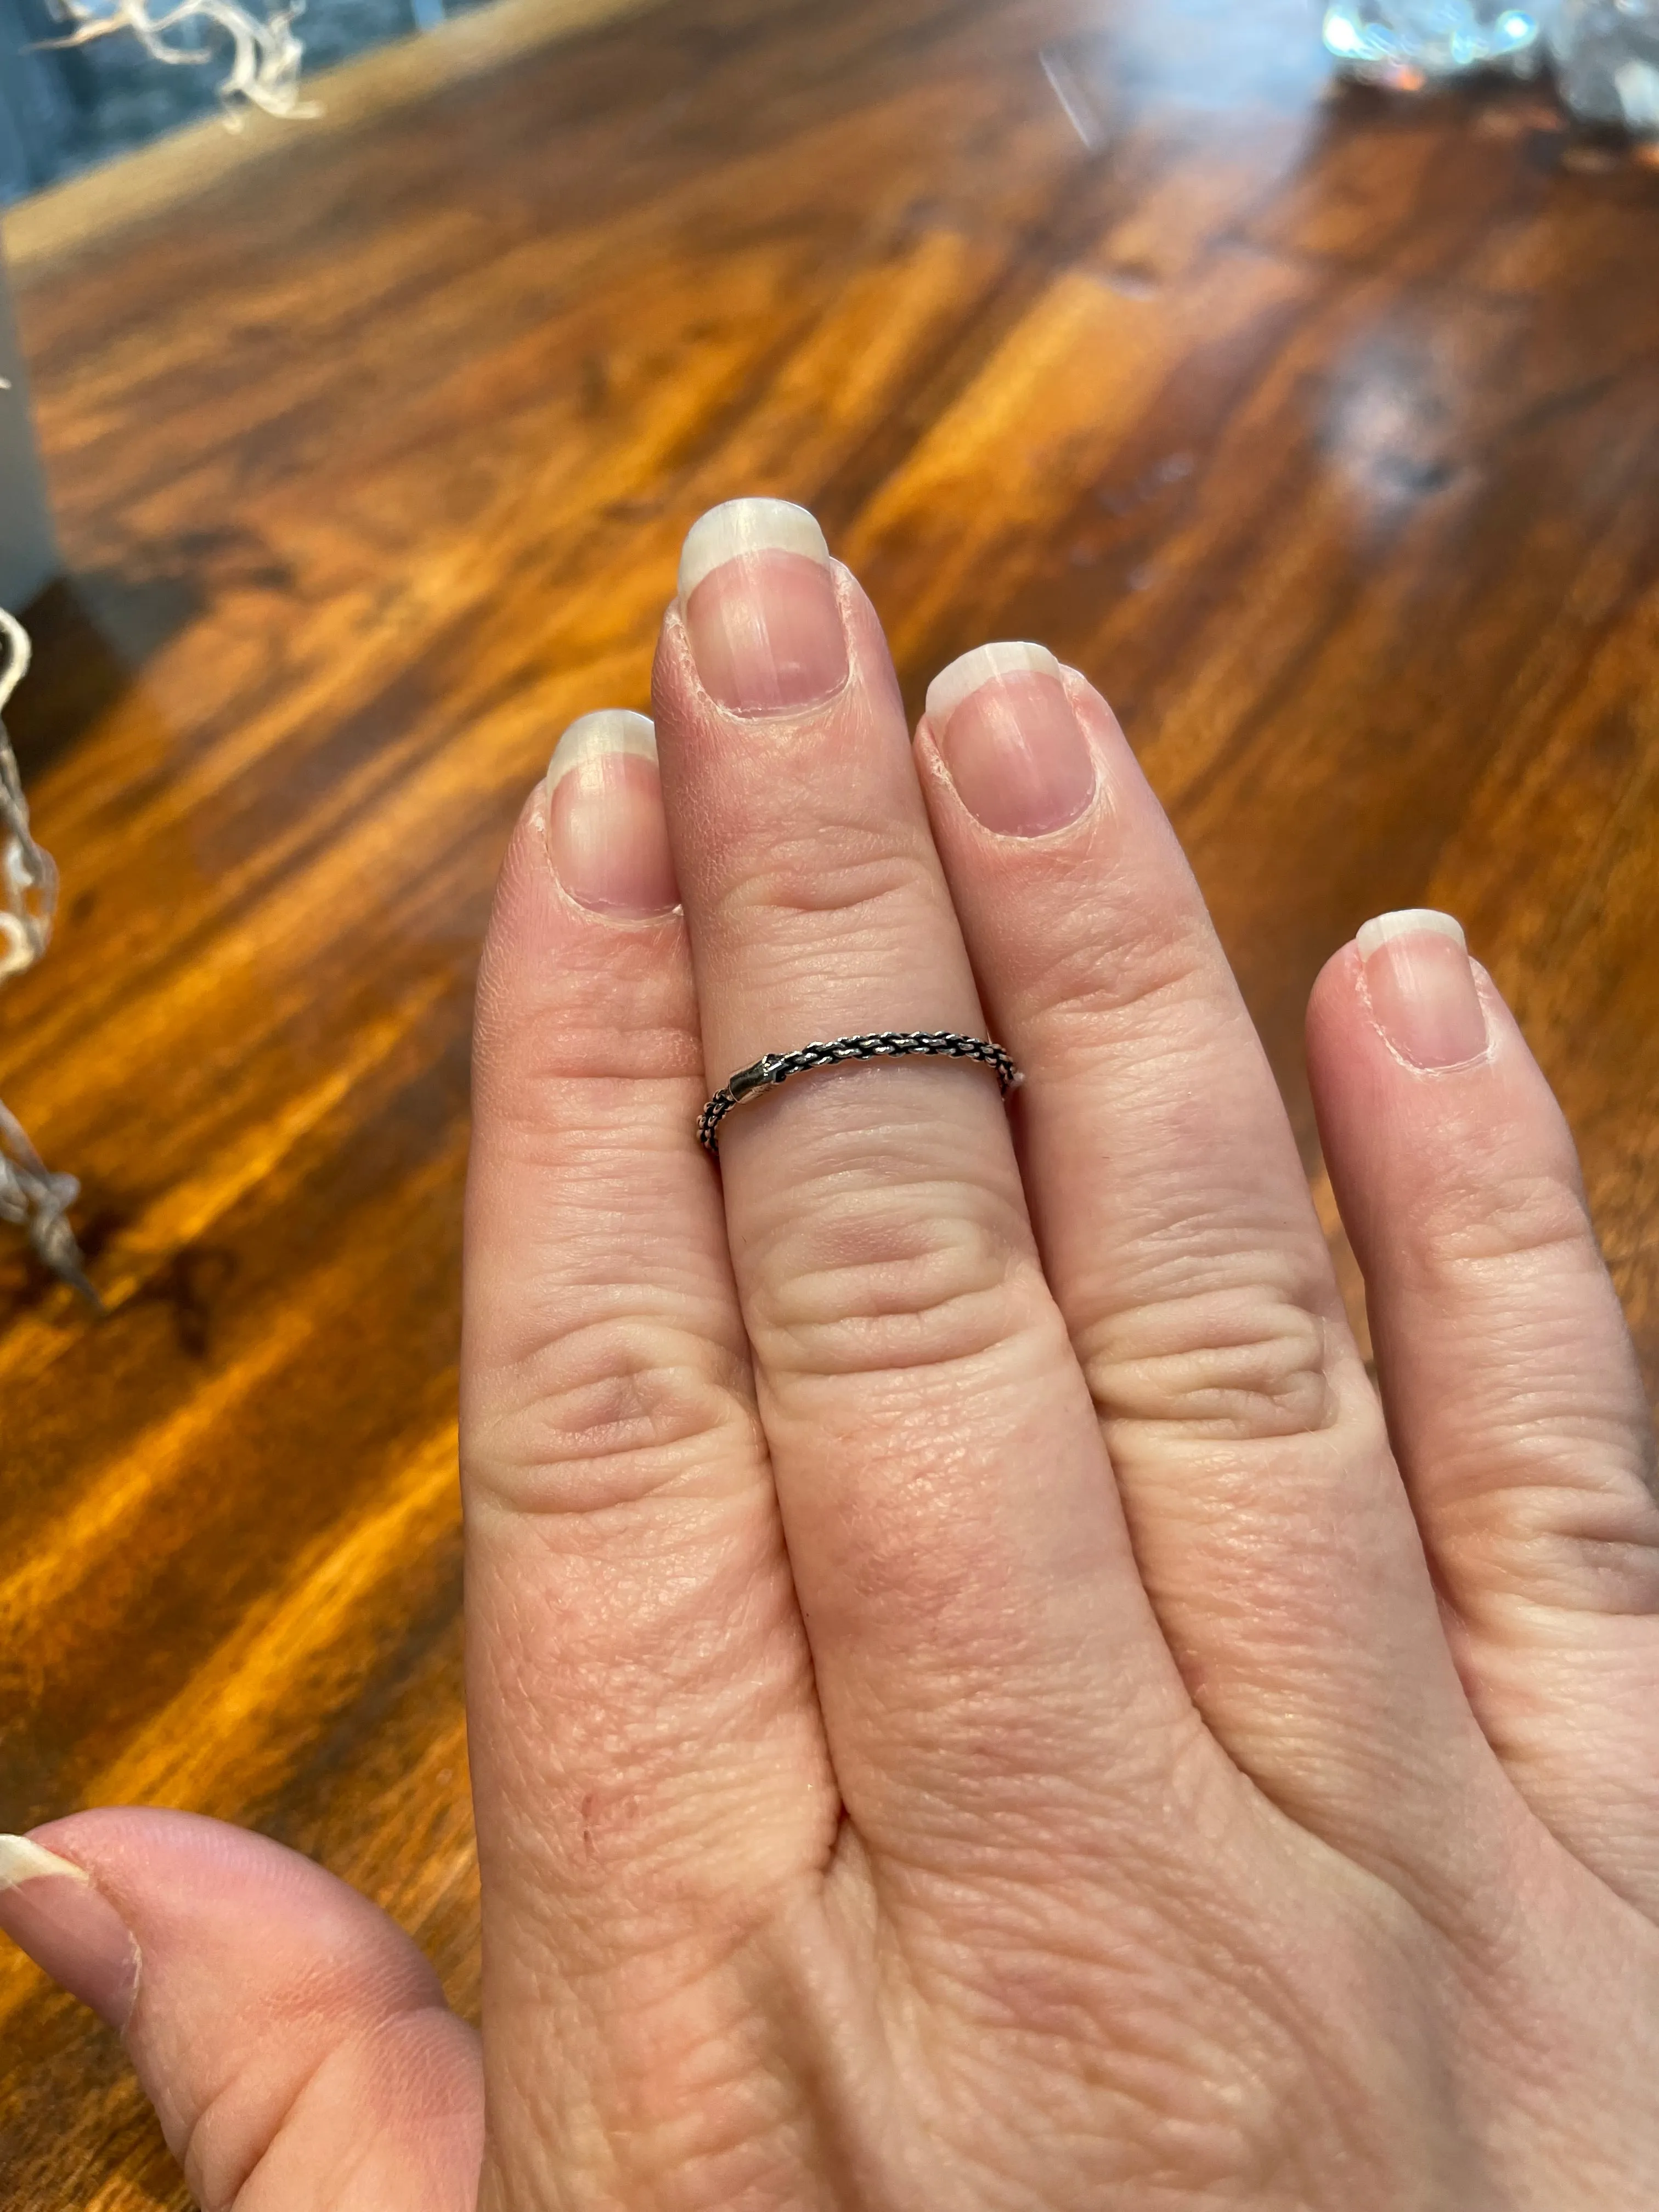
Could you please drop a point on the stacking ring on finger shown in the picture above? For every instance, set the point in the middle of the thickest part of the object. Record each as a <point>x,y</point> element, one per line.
<point>774,1068</point>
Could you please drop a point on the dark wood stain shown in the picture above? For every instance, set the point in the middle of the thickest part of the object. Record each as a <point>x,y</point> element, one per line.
<point>1324,433</point>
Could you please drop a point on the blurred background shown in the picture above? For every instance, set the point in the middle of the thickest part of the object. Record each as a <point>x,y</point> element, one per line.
<point>69,100</point>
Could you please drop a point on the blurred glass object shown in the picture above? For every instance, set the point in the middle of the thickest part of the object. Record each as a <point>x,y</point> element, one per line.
<point>1408,42</point>
<point>1607,61</point>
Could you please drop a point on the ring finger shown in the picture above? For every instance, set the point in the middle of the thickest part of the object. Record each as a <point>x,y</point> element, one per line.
<point>976,1621</point>
<point>1269,1520</point>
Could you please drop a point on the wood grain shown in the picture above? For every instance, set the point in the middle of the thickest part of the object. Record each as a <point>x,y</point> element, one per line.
<point>1324,433</point>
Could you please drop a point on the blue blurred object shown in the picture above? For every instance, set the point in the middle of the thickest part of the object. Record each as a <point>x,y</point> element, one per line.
<point>1404,41</point>
<point>1607,61</point>
<point>28,556</point>
<point>64,109</point>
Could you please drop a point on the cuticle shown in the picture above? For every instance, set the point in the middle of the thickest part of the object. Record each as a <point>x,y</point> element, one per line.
<point>1096,809</point>
<point>611,919</point>
<point>1458,1066</point>
<point>782,718</point>
<point>675,622</point>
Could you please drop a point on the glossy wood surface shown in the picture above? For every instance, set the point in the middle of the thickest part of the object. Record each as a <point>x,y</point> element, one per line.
<point>1324,433</point>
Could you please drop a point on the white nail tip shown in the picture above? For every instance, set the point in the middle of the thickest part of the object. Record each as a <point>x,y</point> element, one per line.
<point>983,666</point>
<point>1410,922</point>
<point>594,736</point>
<point>23,1861</point>
<point>748,525</point>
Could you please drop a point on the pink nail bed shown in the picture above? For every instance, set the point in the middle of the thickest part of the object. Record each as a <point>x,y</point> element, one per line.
<point>1007,732</point>
<point>1421,986</point>
<point>607,836</point>
<point>51,1909</point>
<point>757,590</point>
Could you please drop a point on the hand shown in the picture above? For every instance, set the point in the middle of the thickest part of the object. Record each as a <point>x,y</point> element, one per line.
<point>974,1707</point>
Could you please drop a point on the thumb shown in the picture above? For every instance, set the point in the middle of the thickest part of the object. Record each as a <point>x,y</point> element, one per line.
<point>293,2041</point>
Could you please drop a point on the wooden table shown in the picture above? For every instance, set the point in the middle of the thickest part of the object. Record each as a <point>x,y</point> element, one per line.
<point>1324,431</point>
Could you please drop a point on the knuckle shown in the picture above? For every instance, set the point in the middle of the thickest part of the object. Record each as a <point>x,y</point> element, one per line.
<point>1482,1216</point>
<point>1571,1546</point>
<point>1229,1366</point>
<point>799,880</point>
<point>1148,965</point>
<point>921,1278</point>
<point>611,1412</point>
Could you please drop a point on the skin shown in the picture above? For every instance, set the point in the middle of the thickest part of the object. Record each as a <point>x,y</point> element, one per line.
<point>975,1702</point>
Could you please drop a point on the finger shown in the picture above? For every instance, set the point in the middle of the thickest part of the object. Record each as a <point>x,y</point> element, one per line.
<point>293,2041</point>
<point>1511,1386</point>
<point>648,1766</point>
<point>1178,1234</point>
<point>958,1549</point>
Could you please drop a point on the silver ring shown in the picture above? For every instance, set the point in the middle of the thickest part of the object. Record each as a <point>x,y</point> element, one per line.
<point>774,1068</point>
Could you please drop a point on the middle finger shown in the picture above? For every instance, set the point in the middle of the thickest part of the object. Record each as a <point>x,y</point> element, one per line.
<point>1271,1528</point>
<point>976,1621</point>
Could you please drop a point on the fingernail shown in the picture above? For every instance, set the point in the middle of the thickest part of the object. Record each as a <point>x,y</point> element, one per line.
<point>1422,988</point>
<point>1010,740</point>
<point>757,590</point>
<point>51,1908</point>
<point>607,836</point>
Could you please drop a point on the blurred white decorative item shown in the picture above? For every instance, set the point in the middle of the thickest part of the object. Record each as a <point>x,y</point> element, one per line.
<point>34,1198</point>
<point>38,1201</point>
<point>265,57</point>
<point>1409,42</point>
<point>264,54</point>
<point>29,557</point>
<point>29,881</point>
<point>1607,61</point>
<point>30,1195</point>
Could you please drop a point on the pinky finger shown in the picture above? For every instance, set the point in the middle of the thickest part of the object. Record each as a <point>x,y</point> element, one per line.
<point>293,2041</point>
<point>1513,1396</point>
